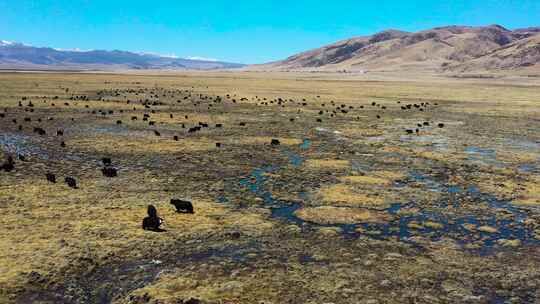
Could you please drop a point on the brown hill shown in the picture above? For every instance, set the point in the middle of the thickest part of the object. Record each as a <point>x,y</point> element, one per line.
<point>438,49</point>
<point>522,54</point>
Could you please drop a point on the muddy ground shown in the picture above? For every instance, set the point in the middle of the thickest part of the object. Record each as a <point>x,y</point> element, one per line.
<point>409,191</point>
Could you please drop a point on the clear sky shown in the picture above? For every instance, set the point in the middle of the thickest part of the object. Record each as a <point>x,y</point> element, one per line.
<point>246,31</point>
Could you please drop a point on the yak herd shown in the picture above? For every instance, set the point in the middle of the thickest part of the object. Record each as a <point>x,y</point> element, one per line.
<point>152,221</point>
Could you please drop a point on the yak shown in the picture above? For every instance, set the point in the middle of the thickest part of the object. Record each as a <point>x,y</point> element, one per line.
<point>71,182</point>
<point>109,172</point>
<point>182,206</point>
<point>51,178</point>
<point>152,221</point>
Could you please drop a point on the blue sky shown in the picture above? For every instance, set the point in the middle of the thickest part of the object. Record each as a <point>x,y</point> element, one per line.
<point>247,31</point>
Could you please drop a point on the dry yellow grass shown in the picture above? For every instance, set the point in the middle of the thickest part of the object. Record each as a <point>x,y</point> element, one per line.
<point>531,195</point>
<point>327,164</point>
<point>261,140</point>
<point>391,175</point>
<point>340,215</point>
<point>360,132</point>
<point>150,144</point>
<point>53,224</point>
<point>48,227</point>
<point>362,179</point>
<point>347,195</point>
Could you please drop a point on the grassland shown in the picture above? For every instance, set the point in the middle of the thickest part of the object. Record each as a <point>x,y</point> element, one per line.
<point>348,209</point>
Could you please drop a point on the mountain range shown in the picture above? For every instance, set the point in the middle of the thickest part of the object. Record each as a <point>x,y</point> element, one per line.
<point>21,56</point>
<point>453,49</point>
<point>442,49</point>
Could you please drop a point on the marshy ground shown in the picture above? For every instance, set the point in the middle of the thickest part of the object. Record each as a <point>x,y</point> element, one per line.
<point>348,208</point>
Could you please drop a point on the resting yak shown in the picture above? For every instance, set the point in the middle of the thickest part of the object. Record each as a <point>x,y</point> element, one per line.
<point>152,221</point>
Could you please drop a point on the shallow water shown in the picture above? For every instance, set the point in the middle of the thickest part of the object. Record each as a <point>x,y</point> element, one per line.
<point>483,156</point>
<point>448,225</point>
<point>21,145</point>
<point>438,143</point>
<point>131,275</point>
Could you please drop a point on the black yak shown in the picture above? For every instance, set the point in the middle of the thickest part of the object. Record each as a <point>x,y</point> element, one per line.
<point>152,221</point>
<point>71,182</point>
<point>51,178</point>
<point>182,206</point>
<point>109,172</point>
<point>9,165</point>
<point>39,131</point>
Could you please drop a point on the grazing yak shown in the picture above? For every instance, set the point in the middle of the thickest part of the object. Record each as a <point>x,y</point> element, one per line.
<point>71,182</point>
<point>106,161</point>
<point>9,165</point>
<point>152,221</point>
<point>51,178</point>
<point>109,172</point>
<point>39,131</point>
<point>182,206</point>
<point>275,142</point>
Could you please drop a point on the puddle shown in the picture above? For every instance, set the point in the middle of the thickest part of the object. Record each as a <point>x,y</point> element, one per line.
<point>359,167</point>
<point>435,142</point>
<point>28,146</point>
<point>21,145</point>
<point>376,138</point>
<point>523,144</point>
<point>306,144</point>
<point>426,223</point>
<point>529,168</point>
<point>483,156</point>
<point>430,184</point>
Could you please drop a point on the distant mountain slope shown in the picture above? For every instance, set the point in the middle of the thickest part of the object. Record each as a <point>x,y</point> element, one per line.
<point>524,53</point>
<point>20,56</point>
<point>438,49</point>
